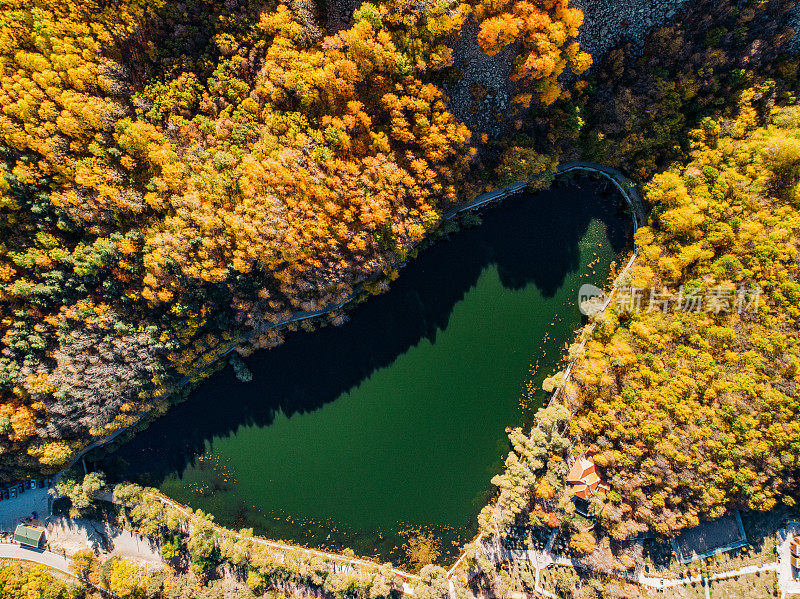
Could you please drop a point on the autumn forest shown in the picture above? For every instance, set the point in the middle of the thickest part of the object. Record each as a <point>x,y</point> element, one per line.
<point>178,179</point>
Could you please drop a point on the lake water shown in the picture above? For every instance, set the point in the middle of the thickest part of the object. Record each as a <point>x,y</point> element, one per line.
<point>394,423</point>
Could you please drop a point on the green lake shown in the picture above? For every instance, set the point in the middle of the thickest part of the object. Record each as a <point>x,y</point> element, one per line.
<point>394,423</point>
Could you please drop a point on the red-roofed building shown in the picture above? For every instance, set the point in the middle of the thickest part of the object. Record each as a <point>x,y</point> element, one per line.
<point>584,478</point>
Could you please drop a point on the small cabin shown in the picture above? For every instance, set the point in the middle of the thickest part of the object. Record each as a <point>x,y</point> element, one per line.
<point>29,536</point>
<point>584,479</point>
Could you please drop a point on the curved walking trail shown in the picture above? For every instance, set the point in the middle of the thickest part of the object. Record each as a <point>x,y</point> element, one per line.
<point>633,197</point>
<point>625,186</point>
<point>352,562</point>
<point>635,203</point>
<point>665,583</point>
<point>47,558</point>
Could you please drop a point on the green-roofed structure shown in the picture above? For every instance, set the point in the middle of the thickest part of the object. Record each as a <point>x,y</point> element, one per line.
<point>29,536</point>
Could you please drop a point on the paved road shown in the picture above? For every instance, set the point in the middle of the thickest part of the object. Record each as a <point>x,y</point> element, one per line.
<point>46,558</point>
<point>626,188</point>
<point>624,185</point>
<point>665,583</point>
<point>49,559</point>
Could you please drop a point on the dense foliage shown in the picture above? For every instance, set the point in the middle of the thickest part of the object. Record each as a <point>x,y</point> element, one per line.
<point>22,583</point>
<point>683,391</point>
<point>692,408</point>
<point>546,31</point>
<point>535,468</point>
<point>641,104</point>
<point>129,579</point>
<point>687,412</point>
<point>176,178</point>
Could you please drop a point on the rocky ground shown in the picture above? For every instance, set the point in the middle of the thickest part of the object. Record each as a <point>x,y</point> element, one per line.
<point>608,22</point>
<point>794,23</point>
<point>338,14</point>
<point>483,90</point>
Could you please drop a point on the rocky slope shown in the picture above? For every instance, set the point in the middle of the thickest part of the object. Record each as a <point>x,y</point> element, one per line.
<point>608,22</point>
<point>485,91</point>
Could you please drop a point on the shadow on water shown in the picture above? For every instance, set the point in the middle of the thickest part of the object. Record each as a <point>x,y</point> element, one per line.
<point>533,239</point>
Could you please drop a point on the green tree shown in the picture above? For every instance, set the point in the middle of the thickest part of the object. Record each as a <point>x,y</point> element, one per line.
<point>83,495</point>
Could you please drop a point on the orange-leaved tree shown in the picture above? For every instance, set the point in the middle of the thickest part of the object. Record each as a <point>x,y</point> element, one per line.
<point>545,31</point>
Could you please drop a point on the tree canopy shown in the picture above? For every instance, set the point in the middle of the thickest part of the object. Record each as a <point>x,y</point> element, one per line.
<point>175,179</point>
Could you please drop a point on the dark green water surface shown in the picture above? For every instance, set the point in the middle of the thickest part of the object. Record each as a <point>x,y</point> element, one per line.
<point>395,422</point>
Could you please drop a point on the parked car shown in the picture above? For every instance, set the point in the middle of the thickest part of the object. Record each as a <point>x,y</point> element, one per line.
<point>33,483</point>
<point>21,488</point>
<point>6,494</point>
<point>41,484</point>
<point>27,484</point>
<point>13,491</point>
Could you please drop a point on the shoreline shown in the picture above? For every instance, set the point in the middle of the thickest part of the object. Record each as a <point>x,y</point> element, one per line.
<point>624,186</point>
